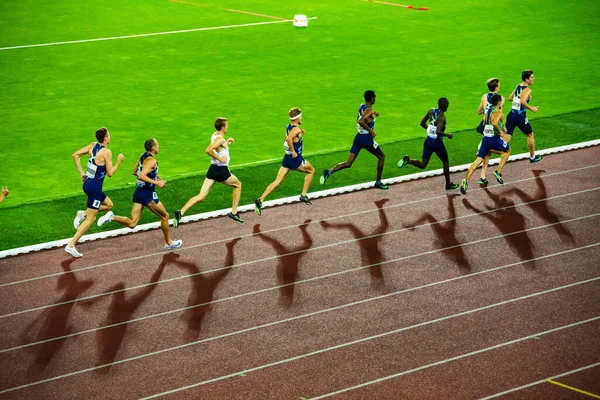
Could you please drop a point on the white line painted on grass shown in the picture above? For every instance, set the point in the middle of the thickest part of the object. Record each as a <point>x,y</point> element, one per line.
<point>428,285</point>
<point>291,199</point>
<point>571,372</point>
<point>212,28</point>
<point>178,278</point>
<point>141,356</point>
<point>447,360</point>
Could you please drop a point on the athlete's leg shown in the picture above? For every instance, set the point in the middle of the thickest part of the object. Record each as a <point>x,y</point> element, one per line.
<point>204,190</point>
<point>84,226</point>
<point>275,184</point>
<point>503,159</point>
<point>473,167</point>
<point>380,162</point>
<point>531,145</point>
<point>486,161</point>
<point>309,171</point>
<point>235,183</point>
<point>159,209</point>
<point>343,165</point>
<point>136,214</point>
<point>419,164</point>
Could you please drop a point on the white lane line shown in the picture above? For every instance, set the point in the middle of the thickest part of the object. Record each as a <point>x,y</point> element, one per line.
<point>428,285</point>
<point>285,228</point>
<point>395,331</point>
<point>212,28</point>
<point>157,352</point>
<point>178,278</point>
<point>574,371</point>
<point>472,353</point>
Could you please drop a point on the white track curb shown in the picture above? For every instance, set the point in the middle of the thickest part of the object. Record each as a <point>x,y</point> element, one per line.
<point>285,200</point>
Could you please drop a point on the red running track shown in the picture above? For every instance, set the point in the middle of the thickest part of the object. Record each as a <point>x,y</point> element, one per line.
<point>411,293</point>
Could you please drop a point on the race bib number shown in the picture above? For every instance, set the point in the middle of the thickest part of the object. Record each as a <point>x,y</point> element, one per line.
<point>526,121</point>
<point>154,196</point>
<point>375,145</point>
<point>96,204</point>
<point>91,170</point>
<point>432,131</point>
<point>488,130</point>
<point>504,144</point>
<point>516,104</point>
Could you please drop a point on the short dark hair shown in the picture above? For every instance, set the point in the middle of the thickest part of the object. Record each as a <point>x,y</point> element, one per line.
<point>496,99</point>
<point>101,134</point>
<point>220,123</point>
<point>493,84</point>
<point>369,95</point>
<point>526,74</point>
<point>443,102</point>
<point>149,144</point>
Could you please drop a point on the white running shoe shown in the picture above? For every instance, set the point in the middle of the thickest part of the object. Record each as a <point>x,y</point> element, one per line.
<point>78,219</point>
<point>73,251</point>
<point>175,244</point>
<point>105,218</point>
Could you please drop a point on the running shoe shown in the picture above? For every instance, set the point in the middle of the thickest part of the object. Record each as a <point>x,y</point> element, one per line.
<point>324,176</point>
<point>380,185</point>
<point>105,218</point>
<point>403,162</point>
<point>498,176</point>
<point>258,206</point>
<point>177,218</point>
<point>235,217</point>
<point>464,186</point>
<point>79,219</point>
<point>73,251</point>
<point>306,200</point>
<point>535,159</point>
<point>452,186</point>
<point>483,181</point>
<point>175,244</point>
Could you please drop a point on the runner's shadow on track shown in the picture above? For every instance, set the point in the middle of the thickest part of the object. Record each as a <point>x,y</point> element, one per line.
<point>201,296</point>
<point>120,312</point>
<point>55,320</point>
<point>370,253</point>
<point>541,208</point>
<point>510,223</point>
<point>446,236</point>
<point>288,262</point>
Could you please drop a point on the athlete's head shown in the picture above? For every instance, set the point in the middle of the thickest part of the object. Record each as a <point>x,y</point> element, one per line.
<point>370,96</point>
<point>221,123</point>
<point>496,100</point>
<point>443,103</point>
<point>151,144</point>
<point>295,114</point>
<point>493,84</point>
<point>527,76</point>
<point>102,135</point>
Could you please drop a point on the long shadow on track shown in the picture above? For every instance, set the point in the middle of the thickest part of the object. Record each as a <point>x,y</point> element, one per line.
<point>370,252</point>
<point>288,261</point>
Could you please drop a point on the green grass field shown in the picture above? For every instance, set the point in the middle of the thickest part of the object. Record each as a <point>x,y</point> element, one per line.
<point>173,86</point>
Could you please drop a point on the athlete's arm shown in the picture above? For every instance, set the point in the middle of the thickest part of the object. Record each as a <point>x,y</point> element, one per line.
<point>440,122</point>
<point>211,150</point>
<point>290,140</point>
<point>230,140</point>
<point>147,167</point>
<point>512,96</point>
<point>368,113</point>
<point>77,155</point>
<point>425,120</point>
<point>110,168</point>
<point>482,104</point>
<point>137,165</point>
<point>4,193</point>
<point>495,121</point>
<point>524,96</point>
